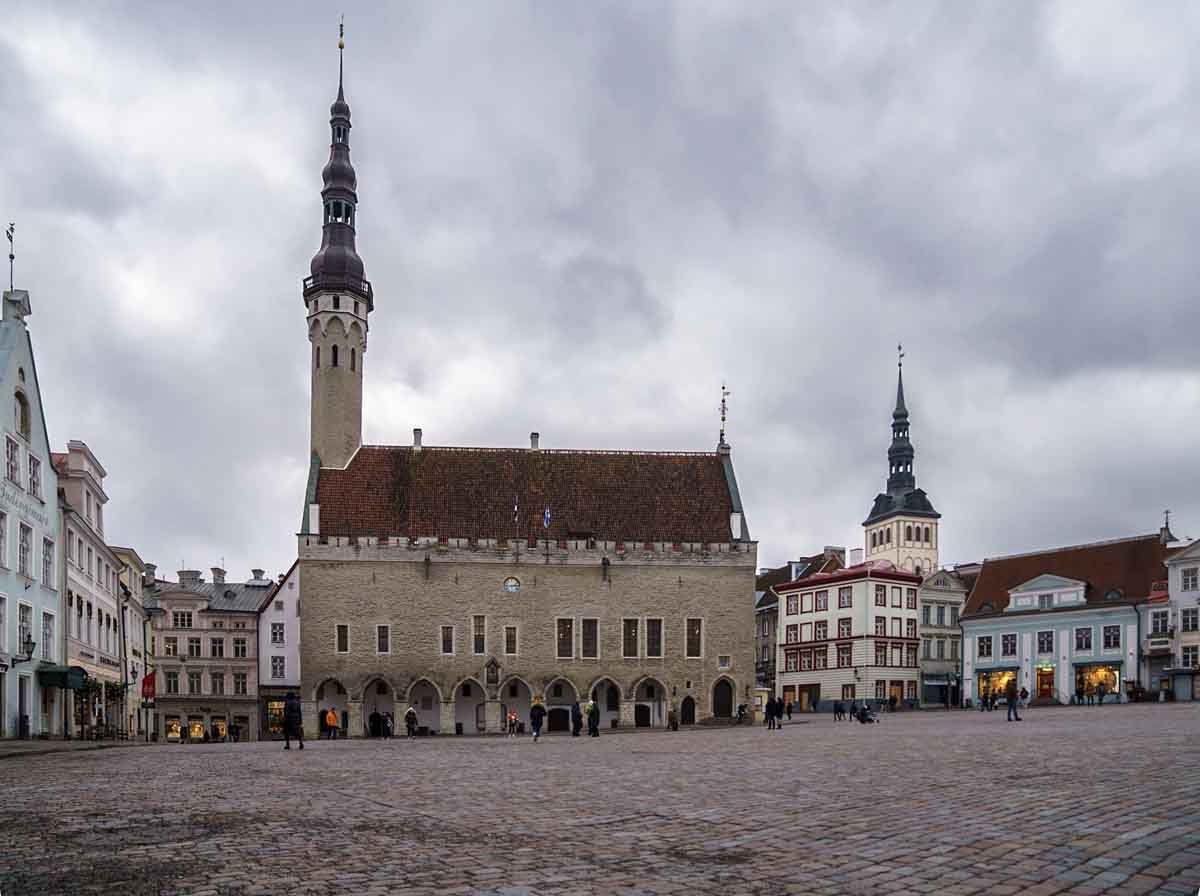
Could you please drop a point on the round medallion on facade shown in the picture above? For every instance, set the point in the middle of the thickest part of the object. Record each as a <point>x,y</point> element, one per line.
<point>512,585</point>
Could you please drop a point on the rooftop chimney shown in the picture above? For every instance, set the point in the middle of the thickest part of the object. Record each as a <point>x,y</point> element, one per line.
<point>189,577</point>
<point>417,439</point>
<point>533,441</point>
<point>258,574</point>
<point>856,556</point>
<point>833,550</point>
<point>150,575</point>
<point>218,575</point>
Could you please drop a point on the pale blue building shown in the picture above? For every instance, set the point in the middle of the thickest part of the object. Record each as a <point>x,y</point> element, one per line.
<point>31,632</point>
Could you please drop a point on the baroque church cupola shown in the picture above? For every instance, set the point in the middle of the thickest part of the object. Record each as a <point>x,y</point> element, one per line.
<point>902,526</point>
<point>338,299</point>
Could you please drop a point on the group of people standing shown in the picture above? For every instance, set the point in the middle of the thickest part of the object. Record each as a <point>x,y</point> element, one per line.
<point>378,724</point>
<point>775,710</point>
<point>1013,696</point>
<point>537,717</point>
<point>856,713</point>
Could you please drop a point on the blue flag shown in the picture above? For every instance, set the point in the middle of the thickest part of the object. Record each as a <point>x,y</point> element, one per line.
<point>546,518</point>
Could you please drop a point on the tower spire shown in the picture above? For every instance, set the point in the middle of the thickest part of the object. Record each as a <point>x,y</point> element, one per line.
<point>900,454</point>
<point>341,50</point>
<point>725,393</point>
<point>901,410</point>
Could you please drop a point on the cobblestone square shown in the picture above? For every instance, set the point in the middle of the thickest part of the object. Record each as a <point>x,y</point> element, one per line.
<point>1073,800</point>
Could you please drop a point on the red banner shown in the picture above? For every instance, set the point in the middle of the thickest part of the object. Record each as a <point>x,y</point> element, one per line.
<point>148,687</point>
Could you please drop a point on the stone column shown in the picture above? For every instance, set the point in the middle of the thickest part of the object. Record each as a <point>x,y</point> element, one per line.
<point>491,717</point>
<point>312,725</point>
<point>446,725</point>
<point>355,725</point>
<point>628,720</point>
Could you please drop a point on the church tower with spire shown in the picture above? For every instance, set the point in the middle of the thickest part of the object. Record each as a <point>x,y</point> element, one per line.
<point>902,526</point>
<point>338,300</point>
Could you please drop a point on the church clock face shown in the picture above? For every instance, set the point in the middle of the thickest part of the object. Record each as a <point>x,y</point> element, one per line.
<point>511,585</point>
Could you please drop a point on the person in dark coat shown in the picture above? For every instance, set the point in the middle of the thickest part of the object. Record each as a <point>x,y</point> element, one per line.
<point>537,715</point>
<point>853,711</point>
<point>770,713</point>
<point>593,718</point>
<point>1010,693</point>
<point>375,723</point>
<point>787,708</point>
<point>576,719</point>
<point>837,710</point>
<point>293,722</point>
<point>410,721</point>
<point>779,704</point>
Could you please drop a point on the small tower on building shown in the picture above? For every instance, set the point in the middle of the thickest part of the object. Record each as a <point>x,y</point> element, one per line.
<point>902,526</point>
<point>338,300</point>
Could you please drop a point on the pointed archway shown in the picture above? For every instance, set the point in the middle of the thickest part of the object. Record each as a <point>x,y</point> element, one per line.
<point>722,699</point>
<point>607,697</point>
<point>687,711</point>
<point>470,701</point>
<point>378,704</point>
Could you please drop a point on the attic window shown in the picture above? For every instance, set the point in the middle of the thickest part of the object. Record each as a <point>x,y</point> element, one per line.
<point>986,607</point>
<point>21,413</point>
<point>1113,594</point>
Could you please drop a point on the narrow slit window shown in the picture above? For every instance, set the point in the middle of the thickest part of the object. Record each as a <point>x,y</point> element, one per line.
<point>333,357</point>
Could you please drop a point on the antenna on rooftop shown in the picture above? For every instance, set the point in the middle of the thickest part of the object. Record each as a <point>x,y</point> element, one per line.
<point>11,256</point>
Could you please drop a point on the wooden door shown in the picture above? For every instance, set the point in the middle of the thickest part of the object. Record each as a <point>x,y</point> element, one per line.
<point>1045,684</point>
<point>687,712</point>
<point>722,699</point>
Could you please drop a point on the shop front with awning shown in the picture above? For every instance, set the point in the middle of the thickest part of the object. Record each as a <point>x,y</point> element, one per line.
<point>70,678</point>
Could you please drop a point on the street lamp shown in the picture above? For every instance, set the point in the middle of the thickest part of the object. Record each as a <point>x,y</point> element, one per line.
<point>26,645</point>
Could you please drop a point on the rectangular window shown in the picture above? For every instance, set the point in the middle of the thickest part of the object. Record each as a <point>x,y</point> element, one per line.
<point>925,615</point>
<point>342,638</point>
<point>897,597</point>
<point>383,639</point>
<point>941,648</point>
<point>792,605</point>
<point>25,550</point>
<point>654,637</point>
<point>35,477</point>
<point>193,683</point>
<point>565,639</point>
<point>1190,578</point>
<point>984,646</point>
<point>1045,642</point>
<point>172,682</point>
<point>1112,637</point>
<point>805,660</point>
<point>910,690</point>
<point>844,627</point>
<point>1190,656</point>
<point>239,648</point>
<point>1008,645</point>
<point>847,692</point>
<point>629,638</point>
<point>47,563</point>
<point>910,628</point>
<point>910,655</point>
<point>479,635</point>
<point>12,457</point>
<point>1160,622</point>
<point>806,631</point>
<point>278,667</point>
<point>897,654</point>
<point>217,683</point>
<point>881,595</point>
<point>695,638</point>
<point>941,614</point>
<point>447,640</point>
<point>194,647</point>
<point>881,654</point>
<point>239,684</point>
<point>820,631</point>
<point>510,640</point>
<point>1045,601</point>
<point>4,540</point>
<point>1083,639</point>
<point>821,658</point>
<point>591,638</point>
<point>806,603</point>
<point>954,648</point>
<point>925,649</point>
<point>277,632</point>
<point>897,627</point>
<point>1189,618</point>
<point>845,598</point>
<point>843,656</point>
<point>170,647</point>
<point>181,619</point>
<point>48,646</point>
<point>89,572</point>
<point>822,601</point>
<point>217,646</point>
<point>910,598</point>
<point>954,615</point>
<point>790,661</point>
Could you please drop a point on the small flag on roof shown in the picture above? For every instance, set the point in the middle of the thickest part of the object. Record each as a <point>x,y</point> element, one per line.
<point>516,511</point>
<point>546,518</point>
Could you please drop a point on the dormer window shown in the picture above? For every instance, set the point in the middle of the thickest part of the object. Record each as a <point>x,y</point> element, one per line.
<point>21,414</point>
<point>1045,601</point>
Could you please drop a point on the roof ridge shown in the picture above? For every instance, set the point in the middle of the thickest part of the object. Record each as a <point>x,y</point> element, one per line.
<point>1075,547</point>
<point>594,451</point>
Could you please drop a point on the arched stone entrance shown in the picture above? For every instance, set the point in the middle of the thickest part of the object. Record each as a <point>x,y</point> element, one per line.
<point>515,696</point>
<point>331,694</point>
<point>377,698</point>
<point>722,699</point>
<point>469,706</point>
<point>426,699</point>
<point>560,694</point>
<point>687,711</point>
<point>650,707</point>
<point>608,697</point>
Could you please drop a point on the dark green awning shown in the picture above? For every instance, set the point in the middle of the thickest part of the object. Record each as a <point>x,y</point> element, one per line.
<point>72,677</point>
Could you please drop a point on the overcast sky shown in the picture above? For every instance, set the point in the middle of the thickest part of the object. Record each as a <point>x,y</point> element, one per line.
<point>579,217</point>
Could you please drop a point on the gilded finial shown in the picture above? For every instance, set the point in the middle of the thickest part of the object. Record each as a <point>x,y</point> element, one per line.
<point>342,34</point>
<point>900,354</point>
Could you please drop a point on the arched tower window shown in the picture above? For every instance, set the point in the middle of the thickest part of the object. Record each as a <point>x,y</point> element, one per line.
<point>908,533</point>
<point>333,361</point>
<point>928,539</point>
<point>353,360</point>
<point>21,413</point>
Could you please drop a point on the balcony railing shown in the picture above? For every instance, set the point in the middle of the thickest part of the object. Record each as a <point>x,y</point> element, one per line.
<point>355,285</point>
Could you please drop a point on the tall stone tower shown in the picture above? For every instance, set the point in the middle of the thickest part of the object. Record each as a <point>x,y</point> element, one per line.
<point>902,526</point>
<point>338,300</point>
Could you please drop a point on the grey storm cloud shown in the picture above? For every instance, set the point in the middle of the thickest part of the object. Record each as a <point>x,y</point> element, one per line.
<point>581,218</point>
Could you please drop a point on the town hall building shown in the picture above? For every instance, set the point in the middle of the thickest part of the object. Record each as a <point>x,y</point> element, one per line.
<point>468,582</point>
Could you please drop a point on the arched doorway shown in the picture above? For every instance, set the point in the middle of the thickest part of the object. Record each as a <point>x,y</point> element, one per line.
<point>559,696</point>
<point>687,711</point>
<point>331,695</point>
<point>377,703</point>
<point>425,698</point>
<point>649,707</point>
<point>469,707</point>
<point>722,699</point>
<point>607,696</point>
<point>515,696</point>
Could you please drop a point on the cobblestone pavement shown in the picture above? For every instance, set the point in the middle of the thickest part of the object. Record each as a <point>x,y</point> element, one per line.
<point>1073,800</point>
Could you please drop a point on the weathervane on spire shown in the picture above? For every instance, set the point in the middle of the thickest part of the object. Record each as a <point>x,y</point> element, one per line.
<point>11,257</point>
<point>725,393</point>
<point>341,47</point>
<point>900,354</point>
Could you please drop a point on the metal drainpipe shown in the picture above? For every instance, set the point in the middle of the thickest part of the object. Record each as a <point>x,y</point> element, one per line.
<point>124,670</point>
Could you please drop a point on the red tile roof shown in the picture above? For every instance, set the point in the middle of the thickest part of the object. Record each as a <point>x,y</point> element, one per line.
<point>876,569</point>
<point>469,493</point>
<point>1129,565</point>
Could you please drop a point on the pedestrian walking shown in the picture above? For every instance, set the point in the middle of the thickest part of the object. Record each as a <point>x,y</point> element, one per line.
<point>672,718</point>
<point>389,726</point>
<point>770,711</point>
<point>331,722</point>
<point>410,721</point>
<point>576,719</point>
<point>779,704</point>
<point>512,723</point>
<point>293,724</point>
<point>537,714</point>
<point>837,710</point>
<point>787,708</point>
<point>593,718</point>
<point>1010,692</point>
<point>375,724</point>
<point>1101,692</point>
<point>1024,697</point>
<point>892,703</point>
<point>853,711</point>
